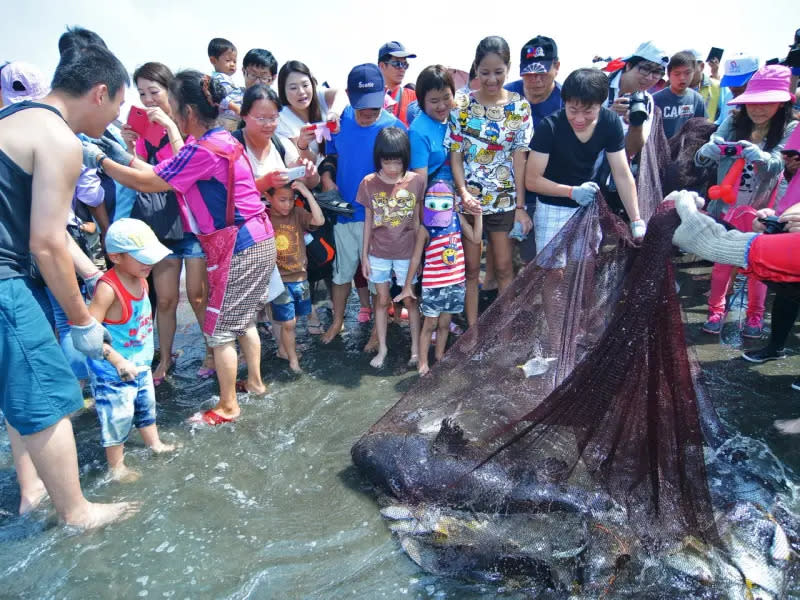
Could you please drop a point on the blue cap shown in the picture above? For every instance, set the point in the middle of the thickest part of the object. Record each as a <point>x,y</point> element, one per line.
<point>365,87</point>
<point>738,70</point>
<point>134,237</point>
<point>395,49</point>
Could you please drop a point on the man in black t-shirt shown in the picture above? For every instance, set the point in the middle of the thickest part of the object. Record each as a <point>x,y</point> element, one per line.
<point>565,148</point>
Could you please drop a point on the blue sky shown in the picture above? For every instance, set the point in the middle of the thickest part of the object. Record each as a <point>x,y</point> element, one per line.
<point>331,37</point>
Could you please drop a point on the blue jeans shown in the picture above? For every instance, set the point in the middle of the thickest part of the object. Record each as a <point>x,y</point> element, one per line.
<point>122,404</point>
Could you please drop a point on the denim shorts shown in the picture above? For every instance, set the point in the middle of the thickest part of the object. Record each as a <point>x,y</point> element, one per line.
<point>122,404</point>
<point>188,247</point>
<point>381,270</point>
<point>294,301</point>
<point>446,299</point>
<point>37,387</point>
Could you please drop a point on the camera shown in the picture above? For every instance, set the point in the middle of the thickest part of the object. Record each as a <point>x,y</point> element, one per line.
<point>637,106</point>
<point>772,225</point>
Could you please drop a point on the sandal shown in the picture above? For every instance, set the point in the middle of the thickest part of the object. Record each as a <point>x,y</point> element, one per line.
<point>364,314</point>
<point>210,417</point>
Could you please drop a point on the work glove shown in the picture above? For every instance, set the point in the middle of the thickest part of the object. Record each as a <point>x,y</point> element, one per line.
<point>585,193</point>
<point>114,151</point>
<point>753,153</point>
<point>703,236</point>
<point>710,151</point>
<point>89,339</point>
<point>92,154</point>
<point>638,229</point>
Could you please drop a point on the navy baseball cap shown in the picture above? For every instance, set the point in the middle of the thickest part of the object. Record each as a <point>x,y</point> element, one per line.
<point>538,55</point>
<point>365,87</point>
<point>395,49</point>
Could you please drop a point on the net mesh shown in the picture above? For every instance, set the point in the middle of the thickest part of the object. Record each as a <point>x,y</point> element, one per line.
<point>562,436</point>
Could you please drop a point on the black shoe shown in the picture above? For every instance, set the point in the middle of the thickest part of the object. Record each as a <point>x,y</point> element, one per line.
<point>763,355</point>
<point>796,384</point>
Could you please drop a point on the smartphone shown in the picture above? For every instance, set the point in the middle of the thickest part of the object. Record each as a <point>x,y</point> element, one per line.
<point>296,173</point>
<point>141,124</point>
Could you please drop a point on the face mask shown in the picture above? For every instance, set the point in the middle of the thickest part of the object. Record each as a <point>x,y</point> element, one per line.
<point>438,209</point>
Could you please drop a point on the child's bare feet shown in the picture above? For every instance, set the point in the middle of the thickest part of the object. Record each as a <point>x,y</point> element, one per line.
<point>377,362</point>
<point>122,474</point>
<point>99,515</point>
<point>371,345</point>
<point>31,498</point>
<point>295,366</point>
<point>161,448</point>
<point>334,330</point>
<point>423,368</point>
<point>283,355</point>
<point>413,361</point>
<point>788,426</point>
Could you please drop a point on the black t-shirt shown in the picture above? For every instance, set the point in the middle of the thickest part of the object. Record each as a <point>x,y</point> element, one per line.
<point>571,161</point>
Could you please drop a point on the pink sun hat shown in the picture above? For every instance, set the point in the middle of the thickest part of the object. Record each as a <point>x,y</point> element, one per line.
<point>769,84</point>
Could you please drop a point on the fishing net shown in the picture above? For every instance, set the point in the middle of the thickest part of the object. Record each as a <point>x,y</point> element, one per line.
<point>560,441</point>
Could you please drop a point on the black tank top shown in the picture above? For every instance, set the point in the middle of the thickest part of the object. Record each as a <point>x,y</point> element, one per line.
<point>15,206</point>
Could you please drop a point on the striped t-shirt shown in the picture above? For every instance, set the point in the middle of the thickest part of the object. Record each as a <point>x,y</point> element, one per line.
<point>444,256</point>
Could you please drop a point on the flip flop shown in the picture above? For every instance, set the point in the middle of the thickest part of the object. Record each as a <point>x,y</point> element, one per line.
<point>316,329</point>
<point>364,314</point>
<point>211,417</point>
<point>204,373</point>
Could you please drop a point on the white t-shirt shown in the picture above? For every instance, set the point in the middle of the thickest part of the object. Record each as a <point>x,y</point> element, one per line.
<point>290,124</point>
<point>273,160</point>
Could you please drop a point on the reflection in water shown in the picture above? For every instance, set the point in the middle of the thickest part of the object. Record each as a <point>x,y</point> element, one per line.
<point>270,507</point>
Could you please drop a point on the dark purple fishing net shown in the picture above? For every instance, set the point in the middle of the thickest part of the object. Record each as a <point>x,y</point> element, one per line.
<point>572,395</point>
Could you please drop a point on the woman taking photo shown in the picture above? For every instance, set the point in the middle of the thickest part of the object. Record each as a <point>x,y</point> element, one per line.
<point>304,104</point>
<point>490,129</point>
<point>152,81</point>
<point>230,221</point>
<point>270,155</point>
<point>757,132</point>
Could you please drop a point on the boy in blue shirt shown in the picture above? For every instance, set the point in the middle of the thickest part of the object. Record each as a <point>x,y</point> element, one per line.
<point>122,380</point>
<point>352,145</point>
<point>222,55</point>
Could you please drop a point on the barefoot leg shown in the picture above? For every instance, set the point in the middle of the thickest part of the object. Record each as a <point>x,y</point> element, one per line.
<point>414,325</point>
<point>31,487</point>
<point>225,361</point>
<point>428,325</point>
<point>382,302</point>
<point>443,330</point>
<point>115,455</point>
<point>53,453</point>
<point>288,337</point>
<point>339,296</point>
<point>151,440</point>
<point>250,344</point>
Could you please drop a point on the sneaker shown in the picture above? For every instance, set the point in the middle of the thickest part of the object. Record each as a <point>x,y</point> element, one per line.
<point>752,328</point>
<point>714,323</point>
<point>764,355</point>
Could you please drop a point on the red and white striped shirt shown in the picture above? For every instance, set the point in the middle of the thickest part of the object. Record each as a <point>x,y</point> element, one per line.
<point>444,257</point>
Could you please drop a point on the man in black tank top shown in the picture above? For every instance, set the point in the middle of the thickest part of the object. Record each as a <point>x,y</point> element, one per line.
<point>40,160</point>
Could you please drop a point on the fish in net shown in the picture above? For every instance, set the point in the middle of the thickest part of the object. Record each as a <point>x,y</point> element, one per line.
<point>565,443</point>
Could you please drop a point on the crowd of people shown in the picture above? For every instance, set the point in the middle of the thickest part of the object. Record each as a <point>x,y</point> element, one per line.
<point>258,194</point>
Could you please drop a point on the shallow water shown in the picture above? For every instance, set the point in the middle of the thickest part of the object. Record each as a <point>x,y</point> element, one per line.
<point>270,507</point>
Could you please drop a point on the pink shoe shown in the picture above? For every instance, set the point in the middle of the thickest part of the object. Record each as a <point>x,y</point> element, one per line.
<point>752,328</point>
<point>364,314</point>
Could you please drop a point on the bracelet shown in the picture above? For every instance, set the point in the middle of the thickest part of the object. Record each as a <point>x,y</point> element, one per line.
<point>99,160</point>
<point>520,208</point>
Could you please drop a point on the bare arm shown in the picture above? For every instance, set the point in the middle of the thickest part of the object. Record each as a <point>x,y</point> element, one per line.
<point>422,172</point>
<point>83,266</point>
<point>139,176</point>
<point>626,187</point>
<point>413,265</point>
<point>535,180</point>
<point>518,161</point>
<point>56,167</point>
<point>100,214</point>
<point>317,218</point>
<point>365,246</point>
<point>473,232</point>
<point>634,140</point>
<point>102,301</point>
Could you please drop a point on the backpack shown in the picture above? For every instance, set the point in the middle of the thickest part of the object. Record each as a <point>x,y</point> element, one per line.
<point>158,209</point>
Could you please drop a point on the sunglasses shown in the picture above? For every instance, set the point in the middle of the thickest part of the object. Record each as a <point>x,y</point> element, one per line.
<point>398,64</point>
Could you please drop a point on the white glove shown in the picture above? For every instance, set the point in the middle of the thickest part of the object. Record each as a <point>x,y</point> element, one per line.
<point>89,339</point>
<point>638,229</point>
<point>585,193</point>
<point>753,153</point>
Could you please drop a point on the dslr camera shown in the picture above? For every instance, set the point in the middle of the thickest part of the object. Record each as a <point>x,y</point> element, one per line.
<point>637,107</point>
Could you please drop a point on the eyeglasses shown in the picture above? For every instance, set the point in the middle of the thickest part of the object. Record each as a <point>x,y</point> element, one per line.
<point>266,120</point>
<point>262,78</point>
<point>398,64</point>
<point>657,72</point>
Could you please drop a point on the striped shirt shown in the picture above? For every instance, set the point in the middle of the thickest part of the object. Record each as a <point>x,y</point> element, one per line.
<point>444,256</point>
